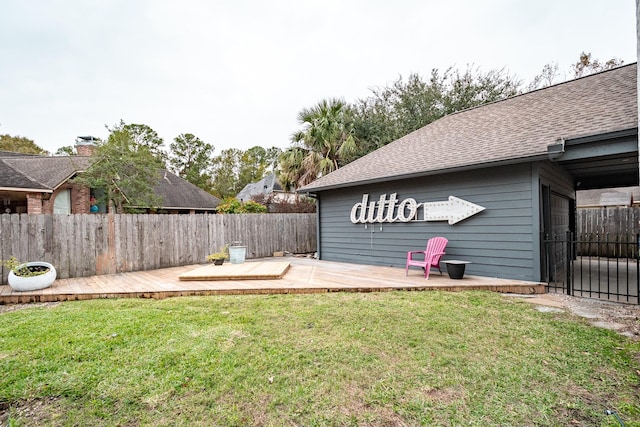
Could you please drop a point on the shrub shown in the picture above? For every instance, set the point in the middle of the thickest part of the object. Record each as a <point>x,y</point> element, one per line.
<point>301,204</point>
<point>231,205</point>
<point>253,207</point>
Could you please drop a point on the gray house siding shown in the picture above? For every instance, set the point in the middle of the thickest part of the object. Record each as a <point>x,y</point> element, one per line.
<point>501,241</point>
<point>498,241</point>
<point>558,178</point>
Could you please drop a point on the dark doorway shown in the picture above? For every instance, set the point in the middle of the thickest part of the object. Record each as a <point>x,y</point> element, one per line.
<point>558,219</point>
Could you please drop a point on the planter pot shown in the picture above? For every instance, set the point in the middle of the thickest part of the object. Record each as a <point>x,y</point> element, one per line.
<point>218,261</point>
<point>237,254</point>
<point>456,268</point>
<point>456,271</point>
<point>33,283</point>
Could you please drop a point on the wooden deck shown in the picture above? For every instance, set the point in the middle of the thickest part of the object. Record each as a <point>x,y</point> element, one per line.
<point>258,270</point>
<point>304,276</point>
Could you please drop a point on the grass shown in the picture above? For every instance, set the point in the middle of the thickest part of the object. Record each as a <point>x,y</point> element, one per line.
<point>337,359</point>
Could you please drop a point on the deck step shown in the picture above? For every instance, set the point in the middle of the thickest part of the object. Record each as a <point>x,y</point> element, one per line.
<point>244,271</point>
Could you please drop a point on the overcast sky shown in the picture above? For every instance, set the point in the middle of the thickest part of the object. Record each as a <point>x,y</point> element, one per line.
<point>235,73</point>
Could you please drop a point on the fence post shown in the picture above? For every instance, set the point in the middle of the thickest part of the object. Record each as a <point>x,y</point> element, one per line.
<point>569,263</point>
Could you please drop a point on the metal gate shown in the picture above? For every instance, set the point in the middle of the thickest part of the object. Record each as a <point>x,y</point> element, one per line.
<point>593,266</point>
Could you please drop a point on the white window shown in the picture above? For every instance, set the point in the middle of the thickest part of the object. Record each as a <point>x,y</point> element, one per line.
<point>62,203</point>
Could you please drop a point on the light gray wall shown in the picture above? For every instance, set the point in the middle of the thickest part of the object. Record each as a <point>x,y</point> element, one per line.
<point>502,241</point>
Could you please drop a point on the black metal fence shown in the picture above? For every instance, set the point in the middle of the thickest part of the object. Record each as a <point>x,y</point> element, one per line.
<point>593,266</point>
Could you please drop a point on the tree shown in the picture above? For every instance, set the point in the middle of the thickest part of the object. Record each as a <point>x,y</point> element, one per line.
<point>547,77</point>
<point>473,88</point>
<point>126,170</point>
<point>373,125</point>
<point>20,144</point>
<point>143,136</point>
<point>190,158</point>
<point>394,111</point>
<point>67,150</point>
<point>226,168</point>
<point>586,65</point>
<point>271,158</point>
<point>291,172</point>
<point>256,163</point>
<point>327,135</point>
<point>234,168</point>
<point>407,105</point>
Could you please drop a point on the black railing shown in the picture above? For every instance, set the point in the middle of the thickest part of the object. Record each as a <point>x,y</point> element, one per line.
<point>593,266</point>
<point>557,256</point>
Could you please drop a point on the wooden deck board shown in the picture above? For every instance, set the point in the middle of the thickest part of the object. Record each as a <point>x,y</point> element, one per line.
<point>303,276</point>
<point>244,271</point>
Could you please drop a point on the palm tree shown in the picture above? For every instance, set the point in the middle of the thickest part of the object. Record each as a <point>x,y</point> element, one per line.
<point>291,172</point>
<point>327,137</point>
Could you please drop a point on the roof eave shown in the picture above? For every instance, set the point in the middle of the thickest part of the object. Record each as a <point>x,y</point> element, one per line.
<point>596,137</point>
<point>174,207</point>
<point>26,190</point>
<point>65,180</point>
<point>532,158</point>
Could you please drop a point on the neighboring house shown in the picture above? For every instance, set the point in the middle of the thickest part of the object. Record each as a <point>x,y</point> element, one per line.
<point>43,184</point>
<point>521,159</point>
<point>267,187</point>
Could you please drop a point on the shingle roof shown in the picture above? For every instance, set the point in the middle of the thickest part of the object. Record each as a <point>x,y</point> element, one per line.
<point>47,172</point>
<point>179,193</point>
<point>266,185</point>
<point>514,129</point>
<point>11,178</point>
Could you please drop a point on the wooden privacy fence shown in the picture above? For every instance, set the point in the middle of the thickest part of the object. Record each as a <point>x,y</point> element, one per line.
<point>94,244</point>
<point>608,232</point>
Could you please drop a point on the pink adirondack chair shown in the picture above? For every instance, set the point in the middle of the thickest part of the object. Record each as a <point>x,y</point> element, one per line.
<point>432,255</point>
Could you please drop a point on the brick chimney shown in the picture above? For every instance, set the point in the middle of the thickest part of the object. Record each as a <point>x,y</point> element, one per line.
<point>86,145</point>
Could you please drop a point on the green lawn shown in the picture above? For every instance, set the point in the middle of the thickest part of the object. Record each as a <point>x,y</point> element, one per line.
<point>337,359</point>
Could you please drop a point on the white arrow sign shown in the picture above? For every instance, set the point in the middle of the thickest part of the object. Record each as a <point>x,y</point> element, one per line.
<point>453,210</point>
<point>390,209</point>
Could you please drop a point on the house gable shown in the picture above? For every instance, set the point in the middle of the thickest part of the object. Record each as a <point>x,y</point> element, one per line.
<point>265,186</point>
